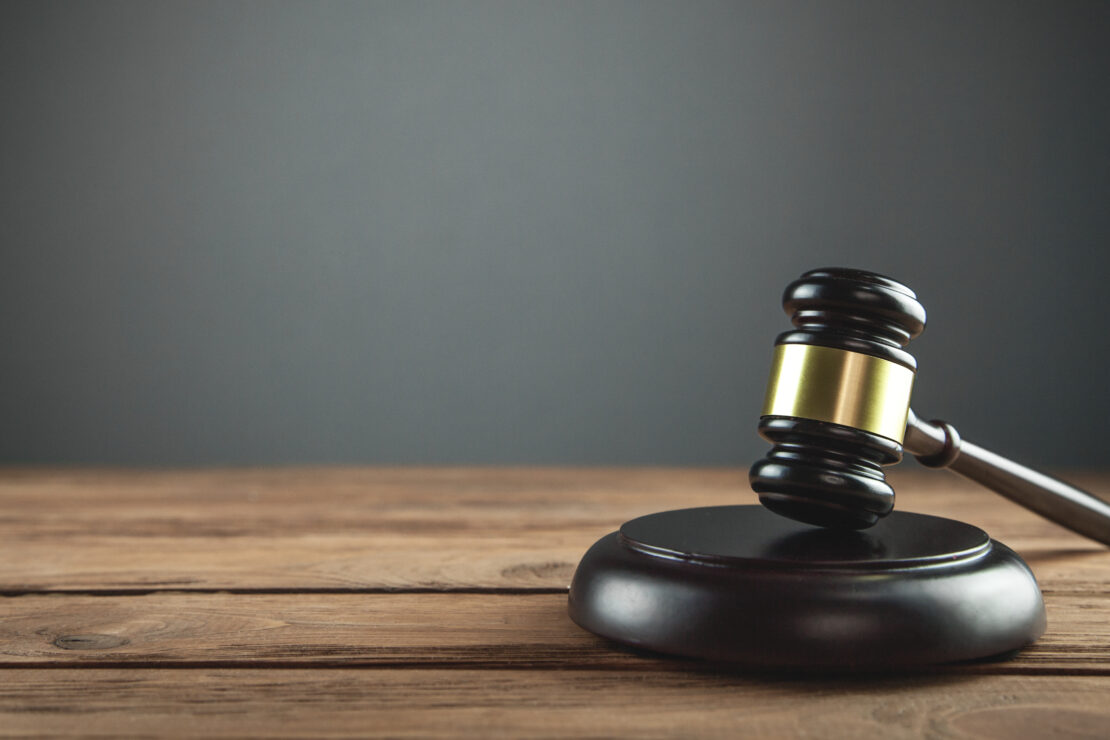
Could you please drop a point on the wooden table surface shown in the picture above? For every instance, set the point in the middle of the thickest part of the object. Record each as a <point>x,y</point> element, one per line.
<point>432,601</point>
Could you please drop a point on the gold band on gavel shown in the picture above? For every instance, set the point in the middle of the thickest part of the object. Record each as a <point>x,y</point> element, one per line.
<point>842,387</point>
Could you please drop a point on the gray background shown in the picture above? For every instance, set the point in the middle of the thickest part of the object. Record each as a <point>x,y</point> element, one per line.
<point>534,232</point>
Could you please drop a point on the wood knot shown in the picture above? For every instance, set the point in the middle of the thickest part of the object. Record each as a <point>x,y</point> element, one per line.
<point>90,642</point>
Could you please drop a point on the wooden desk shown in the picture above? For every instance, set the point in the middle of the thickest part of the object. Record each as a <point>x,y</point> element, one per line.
<point>432,601</point>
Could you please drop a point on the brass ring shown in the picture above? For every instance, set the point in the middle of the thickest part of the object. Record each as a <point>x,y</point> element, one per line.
<point>841,387</point>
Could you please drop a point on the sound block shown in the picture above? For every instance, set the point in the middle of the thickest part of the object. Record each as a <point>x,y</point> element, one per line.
<point>740,584</point>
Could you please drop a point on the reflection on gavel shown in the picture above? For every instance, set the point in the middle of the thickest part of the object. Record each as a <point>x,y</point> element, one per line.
<point>838,409</point>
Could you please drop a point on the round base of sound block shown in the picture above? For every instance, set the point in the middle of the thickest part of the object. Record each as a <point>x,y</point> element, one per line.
<point>740,584</point>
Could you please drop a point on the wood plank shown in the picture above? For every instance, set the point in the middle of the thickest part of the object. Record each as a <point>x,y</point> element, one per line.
<point>292,501</point>
<point>536,703</point>
<point>359,501</point>
<point>493,630</point>
<point>221,664</point>
<point>540,560</point>
<point>419,528</point>
<point>363,528</point>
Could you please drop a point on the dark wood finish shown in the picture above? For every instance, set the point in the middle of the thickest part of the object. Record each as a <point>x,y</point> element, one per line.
<point>854,310</point>
<point>937,444</point>
<point>432,601</point>
<point>743,585</point>
<point>828,474</point>
<point>832,475</point>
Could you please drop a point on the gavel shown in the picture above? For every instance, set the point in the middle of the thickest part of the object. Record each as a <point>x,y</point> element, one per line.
<point>837,411</point>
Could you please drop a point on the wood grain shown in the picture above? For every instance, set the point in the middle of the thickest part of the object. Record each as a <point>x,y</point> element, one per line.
<point>494,630</point>
<point>543,703</point>
<point>404,529</point>
<point>431,602</point>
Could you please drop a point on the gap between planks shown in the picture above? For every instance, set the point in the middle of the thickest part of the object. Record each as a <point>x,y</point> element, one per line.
<point>446,591</point>
<point>1098,590</point>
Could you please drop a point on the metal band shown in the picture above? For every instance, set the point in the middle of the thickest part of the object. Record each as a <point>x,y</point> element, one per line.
<point>842,387</point>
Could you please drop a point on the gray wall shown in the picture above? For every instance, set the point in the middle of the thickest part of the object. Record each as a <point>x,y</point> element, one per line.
<point>534,232</point>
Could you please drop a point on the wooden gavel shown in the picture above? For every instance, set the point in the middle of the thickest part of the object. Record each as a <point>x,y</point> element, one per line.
<point>838,409</point>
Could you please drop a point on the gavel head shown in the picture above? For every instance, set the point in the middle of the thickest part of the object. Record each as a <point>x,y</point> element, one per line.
<point>838,398</point>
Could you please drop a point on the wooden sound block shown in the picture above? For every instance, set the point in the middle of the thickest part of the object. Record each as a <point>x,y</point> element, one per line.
<point>740,584</point>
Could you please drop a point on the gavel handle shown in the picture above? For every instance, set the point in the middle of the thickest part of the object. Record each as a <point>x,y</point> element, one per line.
<point>937,444</point>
